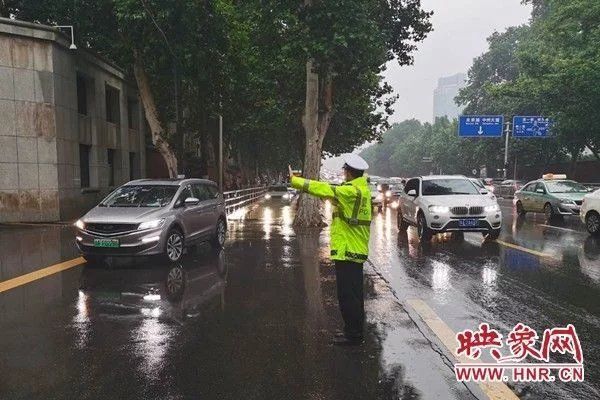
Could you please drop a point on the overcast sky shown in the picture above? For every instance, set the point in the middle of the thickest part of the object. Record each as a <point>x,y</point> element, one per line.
<point>460,31</point>
<point>461,28</point>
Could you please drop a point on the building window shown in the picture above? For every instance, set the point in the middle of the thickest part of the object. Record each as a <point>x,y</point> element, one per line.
<point>110,157</point>
<point>113,106</point>
<point>84,165</point>
<point>132,166</point>
<point>81,95</point>
<point>132,113</point>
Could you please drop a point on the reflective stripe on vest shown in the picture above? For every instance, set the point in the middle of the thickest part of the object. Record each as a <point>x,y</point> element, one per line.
<point>355,256</point>
<point>356,204</point>
<point>305,185</point>
<point>351,221</point>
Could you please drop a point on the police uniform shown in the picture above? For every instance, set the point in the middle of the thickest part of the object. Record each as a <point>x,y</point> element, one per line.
<point>350,230</point>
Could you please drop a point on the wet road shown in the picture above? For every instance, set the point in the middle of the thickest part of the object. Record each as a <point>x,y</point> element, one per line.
<point>552,279</point>
<point>254,321</point>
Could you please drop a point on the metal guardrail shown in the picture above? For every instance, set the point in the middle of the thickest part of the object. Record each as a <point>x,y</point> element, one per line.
<point>236,199</point>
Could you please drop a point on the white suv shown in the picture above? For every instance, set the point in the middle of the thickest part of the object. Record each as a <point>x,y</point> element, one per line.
<point>590,212</point>
<point>448,203</point>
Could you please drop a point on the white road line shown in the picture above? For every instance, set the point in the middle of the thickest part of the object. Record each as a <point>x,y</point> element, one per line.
<point>561,228</point>
<point>494,390</point>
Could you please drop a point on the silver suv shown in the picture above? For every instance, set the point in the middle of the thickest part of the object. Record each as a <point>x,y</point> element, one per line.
<point>149,216</point>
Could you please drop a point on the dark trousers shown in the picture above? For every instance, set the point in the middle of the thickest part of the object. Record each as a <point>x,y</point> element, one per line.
<point>349,277</point>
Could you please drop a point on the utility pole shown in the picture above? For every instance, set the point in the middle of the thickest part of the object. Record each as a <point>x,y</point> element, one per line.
<point>221,152</point>
<point>507,133</point>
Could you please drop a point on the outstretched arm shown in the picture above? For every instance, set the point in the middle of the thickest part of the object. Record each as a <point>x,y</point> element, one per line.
<point>316,188</point>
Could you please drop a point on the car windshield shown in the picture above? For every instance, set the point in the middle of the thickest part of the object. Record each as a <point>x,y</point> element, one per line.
<point>140,196</point>
<point>478,183</point>
<point>565,187</point>
<point>441,187</point>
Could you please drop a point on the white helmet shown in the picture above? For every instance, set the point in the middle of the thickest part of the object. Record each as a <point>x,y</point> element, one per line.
<point>355,161</point>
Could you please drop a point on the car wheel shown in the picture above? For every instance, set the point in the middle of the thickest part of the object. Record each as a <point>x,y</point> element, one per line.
<point>520,210</point>
<point>423,230</point>
<point>174,246</point>
<point>549,211</point>
<point>220,234</point>
<point>402,224</point>
<point>175,283</point>
<point>592,223</point>
<point>492,234</point>
<point>94,260</point>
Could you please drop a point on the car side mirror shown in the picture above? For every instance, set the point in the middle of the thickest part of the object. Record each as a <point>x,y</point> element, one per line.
<point>412,193</point>
<point>484,191</point>
<point>191,201</point>
<point>542,191</point>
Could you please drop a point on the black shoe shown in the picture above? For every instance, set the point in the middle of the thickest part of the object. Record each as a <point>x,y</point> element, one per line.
<point>347,341</point>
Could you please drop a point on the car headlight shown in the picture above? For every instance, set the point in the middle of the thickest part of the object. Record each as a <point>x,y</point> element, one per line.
<point>567,201</point>
<point>439,209</point>
<point>267,196</point>
<point>151,224</point>
<point>80,224</point>
<point>388,193</point>
<point>492,208</point>
<point>395,204</point>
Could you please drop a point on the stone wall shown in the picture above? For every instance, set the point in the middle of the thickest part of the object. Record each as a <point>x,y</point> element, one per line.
<point>41,129</point>
<point>28,170</point>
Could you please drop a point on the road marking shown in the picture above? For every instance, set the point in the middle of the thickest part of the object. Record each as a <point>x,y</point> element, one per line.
<point>561,228</point>
<point>525,249</point>
<point>494,390</point>
<point>39,274</point>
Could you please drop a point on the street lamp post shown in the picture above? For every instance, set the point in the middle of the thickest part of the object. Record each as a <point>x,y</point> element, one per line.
<point>507,133</point>
<point>221,152</point>
<point>70,27</point>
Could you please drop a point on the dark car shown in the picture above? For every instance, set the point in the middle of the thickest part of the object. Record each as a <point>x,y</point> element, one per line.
<point>507,188</point>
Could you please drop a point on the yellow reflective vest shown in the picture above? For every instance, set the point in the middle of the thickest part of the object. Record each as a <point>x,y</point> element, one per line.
<point>351,219</point>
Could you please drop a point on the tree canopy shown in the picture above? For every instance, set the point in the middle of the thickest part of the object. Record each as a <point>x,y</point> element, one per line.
<point>246,61</point>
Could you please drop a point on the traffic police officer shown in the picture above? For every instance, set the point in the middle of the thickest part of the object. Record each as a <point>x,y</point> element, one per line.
<point>350,231</point>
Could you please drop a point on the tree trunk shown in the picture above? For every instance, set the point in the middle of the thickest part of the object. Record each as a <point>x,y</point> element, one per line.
<point>594,151</point>
<point>156,127</point>
<point>316,120</point>
<point>574,160</point>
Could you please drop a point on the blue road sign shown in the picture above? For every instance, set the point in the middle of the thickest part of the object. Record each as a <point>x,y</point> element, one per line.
<point>480,125</point>
<point>531,127</point>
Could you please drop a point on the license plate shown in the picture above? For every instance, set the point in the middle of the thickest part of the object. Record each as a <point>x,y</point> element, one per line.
<point>468,223</point>
<point>106,243</point>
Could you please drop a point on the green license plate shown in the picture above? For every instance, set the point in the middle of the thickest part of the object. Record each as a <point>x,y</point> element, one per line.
<point>113,243</point>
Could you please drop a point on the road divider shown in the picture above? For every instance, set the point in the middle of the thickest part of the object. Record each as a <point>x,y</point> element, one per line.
<point>39,274</point>
<point>494,390</point>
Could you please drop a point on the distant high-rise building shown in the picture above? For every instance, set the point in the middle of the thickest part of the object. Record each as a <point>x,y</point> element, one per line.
<point>444,94</point>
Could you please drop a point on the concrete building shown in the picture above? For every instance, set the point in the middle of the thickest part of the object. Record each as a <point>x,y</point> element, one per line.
<point>444,94</point>
<point>71,126</point>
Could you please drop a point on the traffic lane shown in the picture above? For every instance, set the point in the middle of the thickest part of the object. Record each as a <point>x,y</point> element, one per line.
<point>27,248</point>
<point>471,281</point>
<point>251,322</point>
